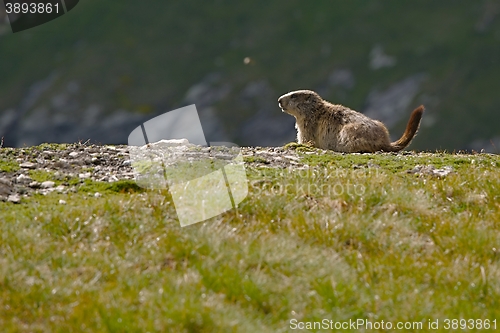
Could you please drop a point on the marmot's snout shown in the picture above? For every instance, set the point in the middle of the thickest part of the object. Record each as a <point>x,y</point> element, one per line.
<point>293,102</point>
<point>282,102</point>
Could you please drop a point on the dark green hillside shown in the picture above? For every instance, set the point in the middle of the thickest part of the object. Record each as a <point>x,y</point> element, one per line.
<point>144,57</point>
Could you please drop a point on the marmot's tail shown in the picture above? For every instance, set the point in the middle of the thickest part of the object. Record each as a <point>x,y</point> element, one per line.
<point>411,130</point>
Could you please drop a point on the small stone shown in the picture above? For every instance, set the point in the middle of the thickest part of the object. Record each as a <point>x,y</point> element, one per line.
<point>47,184</point>
<point>60,188</point>
<point>61,164</point>
<point>97,195</point>
<point>22,190</point>
<point>443,172</point>
<point>112,179</point>
<point>431,170</point>
<point>79,162</point>
<point>27,165</point>
<point>74,154</point>
<point>5,187</point>
<point>23,179</point>
<point>62,202</point>
<point>168,143</point>
<point>14,198</point>
<point>370,164</point>
<point>84,175</point>
<point>34,184</point>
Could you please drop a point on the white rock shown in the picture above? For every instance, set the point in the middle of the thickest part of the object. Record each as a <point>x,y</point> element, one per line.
<point>169,143</point>
<point>60,188</point>
<point>112,179</point>
<point>28,165</point>
<point>431,170</point>
<point>74,154</point>
<point>97,195</point>
<point>14,198</point>
<point>84,175</point>
<point>34,184</point>
<point>443,172</point>
<point>47,184</point>
<point>62,202</point>
<point>23,179</point>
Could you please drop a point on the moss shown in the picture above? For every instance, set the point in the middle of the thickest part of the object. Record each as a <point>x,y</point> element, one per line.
<point>300,147</point>
<point>121,186</point>
<point>291,145</point>
<point>125,186</point>
<point>50,146</point>
<point>255,159</point>
<point>8,166</point>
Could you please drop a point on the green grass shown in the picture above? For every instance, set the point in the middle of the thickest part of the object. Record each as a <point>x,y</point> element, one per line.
<point>42,175</point>
<point>8,163</point>
<point>8,166</point>
<point>339,241</point>
<point>121,186</point>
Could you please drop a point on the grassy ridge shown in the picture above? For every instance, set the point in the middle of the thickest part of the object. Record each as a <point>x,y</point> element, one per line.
<point>355,236</point>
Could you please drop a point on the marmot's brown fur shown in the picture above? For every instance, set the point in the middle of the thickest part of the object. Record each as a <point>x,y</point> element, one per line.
<point>338,128</point>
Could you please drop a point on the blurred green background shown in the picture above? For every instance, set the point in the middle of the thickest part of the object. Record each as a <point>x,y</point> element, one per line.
<point>106,66</point>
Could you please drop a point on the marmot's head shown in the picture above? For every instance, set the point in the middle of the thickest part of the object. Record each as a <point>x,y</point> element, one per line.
<point>300,103</point>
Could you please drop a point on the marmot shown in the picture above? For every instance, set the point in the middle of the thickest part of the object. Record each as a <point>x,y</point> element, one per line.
<point>338,128</point>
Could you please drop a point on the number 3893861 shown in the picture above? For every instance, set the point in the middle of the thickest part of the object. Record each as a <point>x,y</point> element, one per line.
<point>32,8</point>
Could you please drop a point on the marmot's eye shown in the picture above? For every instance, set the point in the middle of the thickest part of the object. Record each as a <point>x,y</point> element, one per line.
<point>293,96</point>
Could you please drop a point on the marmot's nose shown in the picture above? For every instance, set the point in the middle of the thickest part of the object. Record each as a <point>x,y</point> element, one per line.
<point>281,101</point>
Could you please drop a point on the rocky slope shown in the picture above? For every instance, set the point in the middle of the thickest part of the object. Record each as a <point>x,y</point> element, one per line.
<point>70,168</point>
<point>65,168</point>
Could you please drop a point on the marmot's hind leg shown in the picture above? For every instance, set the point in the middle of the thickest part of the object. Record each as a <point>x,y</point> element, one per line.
<point>363,138</point>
